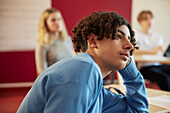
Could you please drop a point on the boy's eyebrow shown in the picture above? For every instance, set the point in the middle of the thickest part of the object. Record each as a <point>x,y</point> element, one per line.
<point>121,32</point>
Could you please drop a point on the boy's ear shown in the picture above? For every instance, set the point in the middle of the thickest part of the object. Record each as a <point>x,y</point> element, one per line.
<point>92,40</point>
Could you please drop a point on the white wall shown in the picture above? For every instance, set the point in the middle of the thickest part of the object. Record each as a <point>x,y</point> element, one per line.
<point>19,23</point>
<point>161,12</point>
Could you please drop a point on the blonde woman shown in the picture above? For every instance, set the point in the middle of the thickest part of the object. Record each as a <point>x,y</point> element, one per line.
<point>53,42</point>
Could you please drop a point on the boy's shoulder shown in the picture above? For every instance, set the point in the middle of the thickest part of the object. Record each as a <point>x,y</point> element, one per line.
<point>77,70</point>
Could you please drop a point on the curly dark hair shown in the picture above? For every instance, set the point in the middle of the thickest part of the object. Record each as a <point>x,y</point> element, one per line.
<point>101,24</point>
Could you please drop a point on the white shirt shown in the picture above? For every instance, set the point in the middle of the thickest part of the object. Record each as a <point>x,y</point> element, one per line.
<point>148,42</point>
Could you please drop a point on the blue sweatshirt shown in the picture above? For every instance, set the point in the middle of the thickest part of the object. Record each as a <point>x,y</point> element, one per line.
<point>74,85</point>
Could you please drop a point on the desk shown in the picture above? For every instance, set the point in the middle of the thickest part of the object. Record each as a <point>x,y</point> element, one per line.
<point>151,93</point>
<point>151,58</point>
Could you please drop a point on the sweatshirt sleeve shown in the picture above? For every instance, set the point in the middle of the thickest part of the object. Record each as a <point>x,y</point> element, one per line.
<point>68,98</point>
<point>135,100</point>
<point>63,90</point>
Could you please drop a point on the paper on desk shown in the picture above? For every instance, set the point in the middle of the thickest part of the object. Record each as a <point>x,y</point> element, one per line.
<point>160,101</point>
<point>154,57</point>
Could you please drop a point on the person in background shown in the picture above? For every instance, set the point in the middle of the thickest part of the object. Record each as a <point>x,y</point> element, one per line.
<point>151,43</point>
<point>53,43</point>
<point>75,85</point>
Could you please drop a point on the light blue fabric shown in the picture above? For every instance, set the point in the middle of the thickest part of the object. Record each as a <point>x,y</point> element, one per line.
<point>74,85</point>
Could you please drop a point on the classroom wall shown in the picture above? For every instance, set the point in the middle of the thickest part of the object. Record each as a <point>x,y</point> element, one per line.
<point>20,66</point>
<point>17,67</point>
<point>160,9</point>
<point>74,10</point>
<point>19,21</point>
<point>18,32</point>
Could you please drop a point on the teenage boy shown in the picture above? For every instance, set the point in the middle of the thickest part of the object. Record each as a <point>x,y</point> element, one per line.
<point>75,85</point>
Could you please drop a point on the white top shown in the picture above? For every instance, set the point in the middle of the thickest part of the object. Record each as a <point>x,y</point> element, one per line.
<point>148,42</point>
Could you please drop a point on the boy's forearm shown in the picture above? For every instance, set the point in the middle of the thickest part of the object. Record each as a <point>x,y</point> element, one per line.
<point>136,93</point>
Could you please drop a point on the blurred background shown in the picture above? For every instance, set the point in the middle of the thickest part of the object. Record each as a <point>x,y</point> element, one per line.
<point>19,26</point>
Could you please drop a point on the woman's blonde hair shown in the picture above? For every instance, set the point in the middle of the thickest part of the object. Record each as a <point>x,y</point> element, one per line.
<point>44,35</point>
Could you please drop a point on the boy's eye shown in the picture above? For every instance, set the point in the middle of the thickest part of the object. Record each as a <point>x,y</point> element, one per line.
<point>129,38</point>
<point>119,36</point>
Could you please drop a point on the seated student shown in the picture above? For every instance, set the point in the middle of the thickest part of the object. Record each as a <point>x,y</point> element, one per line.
<point>74,85</point>
<point>53,42</point>
<point>151,43</point>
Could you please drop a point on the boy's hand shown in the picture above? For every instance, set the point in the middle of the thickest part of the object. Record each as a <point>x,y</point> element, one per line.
<point>128,61</point>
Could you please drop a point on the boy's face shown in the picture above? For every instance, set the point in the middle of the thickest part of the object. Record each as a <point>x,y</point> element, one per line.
<point>114,54</point>
<point>146,22</point>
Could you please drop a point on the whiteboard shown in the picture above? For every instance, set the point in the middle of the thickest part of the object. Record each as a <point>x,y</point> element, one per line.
<point>19,23</point>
